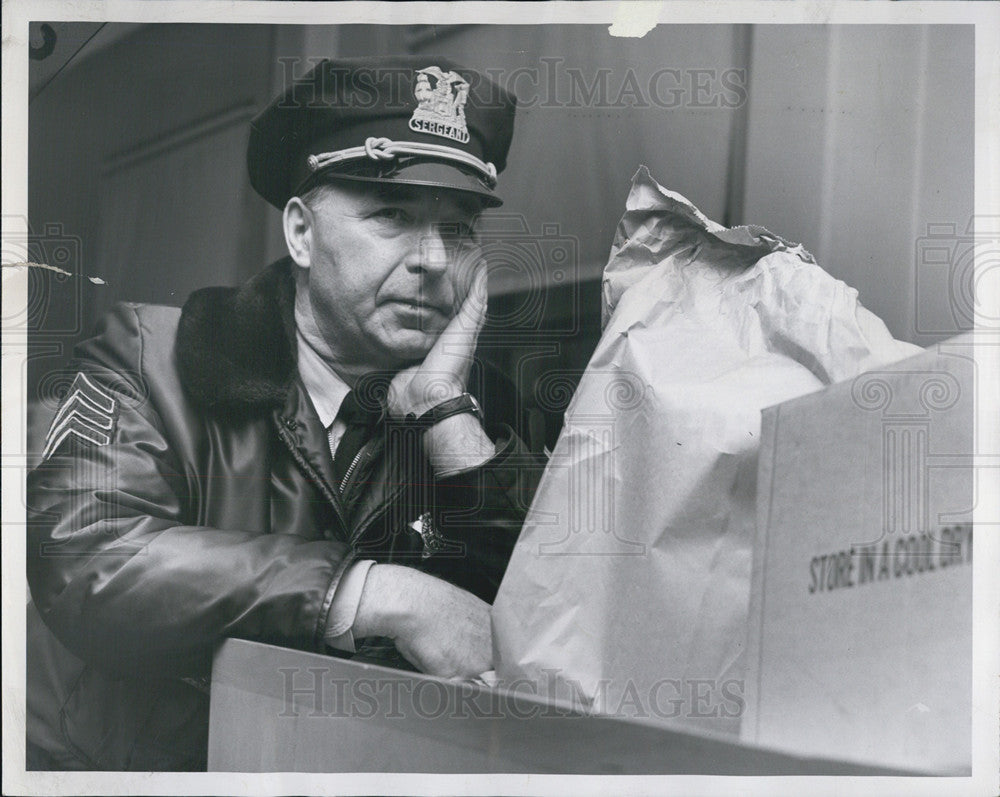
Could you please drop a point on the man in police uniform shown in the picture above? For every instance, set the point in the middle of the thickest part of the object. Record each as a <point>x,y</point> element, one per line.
<point>301,460</point>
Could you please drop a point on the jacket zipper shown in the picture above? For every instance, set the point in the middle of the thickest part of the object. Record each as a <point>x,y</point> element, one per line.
<point>350,469</point>
<point>363,526</point>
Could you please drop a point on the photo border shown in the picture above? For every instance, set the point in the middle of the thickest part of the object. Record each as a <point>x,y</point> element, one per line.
<point>627,17</point>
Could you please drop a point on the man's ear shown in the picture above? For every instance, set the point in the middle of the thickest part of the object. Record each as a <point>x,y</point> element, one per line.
<point>298,225</point>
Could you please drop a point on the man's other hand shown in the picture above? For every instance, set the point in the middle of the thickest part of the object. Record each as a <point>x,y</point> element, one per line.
<point>440,629</point>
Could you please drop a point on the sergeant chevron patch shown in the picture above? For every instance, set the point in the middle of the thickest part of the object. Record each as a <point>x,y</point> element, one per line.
<point>88,412</point>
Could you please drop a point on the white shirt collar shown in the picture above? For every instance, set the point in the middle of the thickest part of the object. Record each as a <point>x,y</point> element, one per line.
<point>325,388</point>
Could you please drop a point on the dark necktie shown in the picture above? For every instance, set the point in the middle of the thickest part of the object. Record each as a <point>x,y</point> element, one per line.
<point>360,418</point>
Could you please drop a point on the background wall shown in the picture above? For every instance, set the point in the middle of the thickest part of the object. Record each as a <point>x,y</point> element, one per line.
<point>855,141</point>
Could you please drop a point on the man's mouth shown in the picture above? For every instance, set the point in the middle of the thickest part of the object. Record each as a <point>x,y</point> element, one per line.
<point>419,305</point>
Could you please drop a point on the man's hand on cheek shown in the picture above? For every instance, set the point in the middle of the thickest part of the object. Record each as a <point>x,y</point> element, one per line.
<point>458,442</point>
<point>444,372</point>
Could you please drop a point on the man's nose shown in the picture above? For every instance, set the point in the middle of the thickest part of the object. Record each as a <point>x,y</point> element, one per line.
<point>433,254</point>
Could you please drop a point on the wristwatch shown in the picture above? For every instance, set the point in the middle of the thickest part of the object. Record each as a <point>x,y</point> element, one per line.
<point>455,406</point>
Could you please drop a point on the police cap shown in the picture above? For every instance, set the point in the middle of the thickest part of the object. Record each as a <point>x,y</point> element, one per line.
<point>416,120</point>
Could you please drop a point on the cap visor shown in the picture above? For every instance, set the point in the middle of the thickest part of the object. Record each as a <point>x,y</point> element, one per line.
<point>432,174</point>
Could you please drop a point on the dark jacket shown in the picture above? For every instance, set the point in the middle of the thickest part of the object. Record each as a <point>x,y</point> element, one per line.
<point>211,513</point>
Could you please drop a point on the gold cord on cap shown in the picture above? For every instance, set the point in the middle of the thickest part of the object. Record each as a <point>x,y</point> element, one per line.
<point>382,149</point>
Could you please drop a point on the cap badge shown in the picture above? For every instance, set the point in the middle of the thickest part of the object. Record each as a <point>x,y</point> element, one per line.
<point>441,98</point>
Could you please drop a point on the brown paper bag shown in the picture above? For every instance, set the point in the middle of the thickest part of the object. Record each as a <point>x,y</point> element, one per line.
<point>627,593</point>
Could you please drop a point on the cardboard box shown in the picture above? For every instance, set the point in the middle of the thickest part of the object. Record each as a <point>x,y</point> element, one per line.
<point>860,633</point>
<point>280,710</point>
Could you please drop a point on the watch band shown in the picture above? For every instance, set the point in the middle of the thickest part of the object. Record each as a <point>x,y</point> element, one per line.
<point>454,406</point>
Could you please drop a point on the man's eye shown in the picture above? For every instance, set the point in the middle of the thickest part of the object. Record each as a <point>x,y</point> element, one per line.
<point>392,214</point>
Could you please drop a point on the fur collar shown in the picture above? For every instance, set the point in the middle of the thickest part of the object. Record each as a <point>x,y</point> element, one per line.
<point>236,346</point>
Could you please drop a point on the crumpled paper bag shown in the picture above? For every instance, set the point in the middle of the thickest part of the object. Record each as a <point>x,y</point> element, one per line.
<point>627,593</point>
